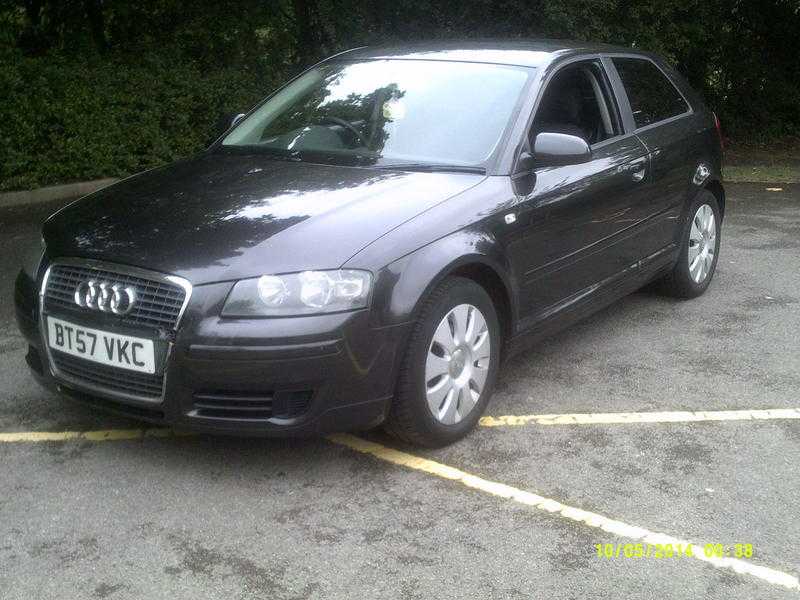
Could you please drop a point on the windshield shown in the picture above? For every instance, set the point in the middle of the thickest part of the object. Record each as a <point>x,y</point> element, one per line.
<point>387,112</point>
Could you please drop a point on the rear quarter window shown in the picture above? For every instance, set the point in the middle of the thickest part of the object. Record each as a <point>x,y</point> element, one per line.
<point>653,97</point>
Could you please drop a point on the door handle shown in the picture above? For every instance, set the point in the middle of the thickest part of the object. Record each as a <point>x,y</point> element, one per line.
<point>637,168</point>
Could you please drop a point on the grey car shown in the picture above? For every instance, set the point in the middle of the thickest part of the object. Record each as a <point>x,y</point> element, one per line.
<point>365,245</point>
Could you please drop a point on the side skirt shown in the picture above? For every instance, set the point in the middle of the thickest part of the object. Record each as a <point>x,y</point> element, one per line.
<point>588,301</point>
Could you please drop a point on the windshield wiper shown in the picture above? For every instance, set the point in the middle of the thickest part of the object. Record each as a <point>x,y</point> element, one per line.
<point>275,153</point>
<point>432,168</point>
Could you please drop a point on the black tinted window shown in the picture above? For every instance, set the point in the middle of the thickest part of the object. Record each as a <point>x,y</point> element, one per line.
<point>653,97</point>
<point>576,102</point>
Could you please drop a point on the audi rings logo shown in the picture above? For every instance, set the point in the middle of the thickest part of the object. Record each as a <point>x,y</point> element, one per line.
<point>105,297</point>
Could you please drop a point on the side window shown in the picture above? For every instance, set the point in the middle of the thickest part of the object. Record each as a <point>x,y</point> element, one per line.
<point>653,97</point>
<point>577,102</point>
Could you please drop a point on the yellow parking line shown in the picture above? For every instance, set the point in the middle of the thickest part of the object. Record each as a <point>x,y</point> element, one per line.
<point>571,513</point>
<point>104,435</point>
<point>443,471</point>
<point>642,417</point>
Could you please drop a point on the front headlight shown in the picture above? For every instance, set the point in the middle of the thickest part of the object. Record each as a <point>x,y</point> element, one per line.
<point>306,293</point>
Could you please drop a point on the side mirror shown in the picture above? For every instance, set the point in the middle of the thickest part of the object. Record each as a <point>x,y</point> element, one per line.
<point>556,149</point>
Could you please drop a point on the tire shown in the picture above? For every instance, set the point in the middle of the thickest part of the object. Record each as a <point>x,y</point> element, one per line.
<point>682,281</point>
<point>411,416</point>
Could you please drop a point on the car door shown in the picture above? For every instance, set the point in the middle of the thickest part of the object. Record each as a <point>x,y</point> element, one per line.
<point>660,116</point>
<point>577,234</point>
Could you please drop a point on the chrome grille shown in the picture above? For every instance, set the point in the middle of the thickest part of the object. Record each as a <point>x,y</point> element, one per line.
<point>123,381</point>
<point>158,303</point>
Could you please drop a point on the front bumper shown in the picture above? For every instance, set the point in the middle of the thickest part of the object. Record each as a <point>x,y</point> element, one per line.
<point>273,377</point>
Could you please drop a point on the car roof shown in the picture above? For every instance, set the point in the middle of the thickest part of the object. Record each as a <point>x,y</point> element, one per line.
<point>525,53</point>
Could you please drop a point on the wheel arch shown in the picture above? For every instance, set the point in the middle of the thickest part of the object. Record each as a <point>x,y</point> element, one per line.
<point>715,187</point>
<point>485,272</point>
<point>489,279</point>
<point>472,255</point>
<point>707,176</point>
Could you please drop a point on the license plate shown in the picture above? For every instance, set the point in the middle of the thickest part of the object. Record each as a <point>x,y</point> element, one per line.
<point>112,349</point>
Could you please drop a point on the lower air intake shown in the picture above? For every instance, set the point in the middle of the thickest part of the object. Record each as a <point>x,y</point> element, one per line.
<point>247,406</point>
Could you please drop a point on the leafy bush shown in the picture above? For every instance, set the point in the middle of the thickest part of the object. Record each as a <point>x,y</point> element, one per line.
<point>65,120</point>
<point>94,88</point>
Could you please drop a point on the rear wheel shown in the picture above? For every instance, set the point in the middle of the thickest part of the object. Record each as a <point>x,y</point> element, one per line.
<point>450,366</point>
<point>697,262</point>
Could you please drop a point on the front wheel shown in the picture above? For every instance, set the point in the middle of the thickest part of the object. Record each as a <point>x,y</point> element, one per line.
<point>699,253</point>
<point>450,367</point>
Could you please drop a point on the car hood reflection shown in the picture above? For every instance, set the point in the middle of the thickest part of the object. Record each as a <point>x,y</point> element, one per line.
<point>222,217</point>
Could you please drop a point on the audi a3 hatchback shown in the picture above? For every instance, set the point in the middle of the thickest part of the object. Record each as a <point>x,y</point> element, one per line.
<point>365,245</point>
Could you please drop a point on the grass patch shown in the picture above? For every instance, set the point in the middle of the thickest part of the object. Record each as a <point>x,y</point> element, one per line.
<point>762,174</point>
<point>774,162</point>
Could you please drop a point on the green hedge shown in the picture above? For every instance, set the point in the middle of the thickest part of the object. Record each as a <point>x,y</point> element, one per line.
<point>65,120</point>
<point>93,88</point>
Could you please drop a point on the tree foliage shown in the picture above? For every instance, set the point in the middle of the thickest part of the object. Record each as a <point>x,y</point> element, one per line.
<point>107,87</point>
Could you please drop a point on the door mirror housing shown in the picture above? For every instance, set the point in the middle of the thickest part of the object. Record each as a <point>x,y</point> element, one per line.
<point>557,149</point>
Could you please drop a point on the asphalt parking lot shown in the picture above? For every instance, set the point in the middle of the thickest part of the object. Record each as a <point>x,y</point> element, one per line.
<point>202,517</point>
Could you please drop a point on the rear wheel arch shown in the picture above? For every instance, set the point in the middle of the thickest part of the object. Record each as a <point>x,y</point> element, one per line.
<point>715,187</point>
<point>707,177</point>
<point>679,282</point>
